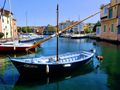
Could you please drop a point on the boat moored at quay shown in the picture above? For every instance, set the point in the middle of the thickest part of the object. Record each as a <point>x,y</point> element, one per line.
<point>66,63</point>
<point>14,46</point>
<point>58,63</point>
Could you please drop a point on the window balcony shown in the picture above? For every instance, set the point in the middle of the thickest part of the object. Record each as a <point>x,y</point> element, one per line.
<point>103,16</point>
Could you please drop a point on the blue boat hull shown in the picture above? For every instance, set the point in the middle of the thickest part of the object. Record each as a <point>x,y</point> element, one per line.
<point>43,69</point>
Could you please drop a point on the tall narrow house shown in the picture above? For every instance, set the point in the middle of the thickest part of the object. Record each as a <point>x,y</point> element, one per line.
<point>8,24</point>
<point>110,21</point>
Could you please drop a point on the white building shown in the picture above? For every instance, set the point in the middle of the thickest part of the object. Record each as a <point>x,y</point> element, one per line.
<point>8,24</point>
<point>76,29</point>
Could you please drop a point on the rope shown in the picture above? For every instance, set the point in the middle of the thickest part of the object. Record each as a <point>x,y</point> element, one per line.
<point>61,31</point>
<point>2,10</point>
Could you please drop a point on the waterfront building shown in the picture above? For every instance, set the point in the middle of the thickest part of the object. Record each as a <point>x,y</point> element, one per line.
<point>98,31</point>
<point>49,30</point>
<point>38,29</point>
<point>110,21</point>
<point>76,29</point>
<point>88,27</point>
<point>8,24</point>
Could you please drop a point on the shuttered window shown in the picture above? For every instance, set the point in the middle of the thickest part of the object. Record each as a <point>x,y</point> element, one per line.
<point>110,13</point>
<point>112,27</point>
<point>104,28</point>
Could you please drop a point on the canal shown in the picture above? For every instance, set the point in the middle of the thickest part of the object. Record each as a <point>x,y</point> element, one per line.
<point>96,75</point>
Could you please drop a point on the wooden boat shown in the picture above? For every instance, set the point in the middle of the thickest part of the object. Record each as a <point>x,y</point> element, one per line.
<point>53,64</point>
<point>42,79</point>
<point>15,46</point>
<point>66,62</point>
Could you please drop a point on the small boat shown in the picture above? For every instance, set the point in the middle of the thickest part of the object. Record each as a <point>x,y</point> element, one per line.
<point>14,46</point>
<point>29,37</point>
<point>77,36</point>
<point>42,79</point>
<point>67,62</point>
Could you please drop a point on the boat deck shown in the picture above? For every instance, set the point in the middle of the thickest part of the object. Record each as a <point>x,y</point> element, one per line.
<point>63,58</point>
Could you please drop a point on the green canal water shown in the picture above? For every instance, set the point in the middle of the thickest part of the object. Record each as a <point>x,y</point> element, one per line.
<point>96,75</point>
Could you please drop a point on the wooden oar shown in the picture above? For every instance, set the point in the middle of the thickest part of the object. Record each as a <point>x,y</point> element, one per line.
<point>61,31</point>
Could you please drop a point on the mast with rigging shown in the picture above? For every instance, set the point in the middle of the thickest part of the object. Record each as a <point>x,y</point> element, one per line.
<point>61,31</point>
<point>57,30</point>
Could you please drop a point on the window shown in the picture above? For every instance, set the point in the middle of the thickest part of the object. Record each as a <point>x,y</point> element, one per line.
<point>118,29</point>
<point>5,27</point>
<point>7,22</point>
<point>112,27</point>
<point>105,11</point>
<point>104,28</point>
<point>116,1</point>
<point>3,20</point>
<point>110,13</point>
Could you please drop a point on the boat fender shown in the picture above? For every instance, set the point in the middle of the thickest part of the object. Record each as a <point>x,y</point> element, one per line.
<point>14,48</point>
<point>47,69</point>
<point>100,58</point>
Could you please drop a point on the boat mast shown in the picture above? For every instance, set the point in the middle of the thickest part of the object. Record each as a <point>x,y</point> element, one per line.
<point>61,31</point>
<point>57,30</point>
<point>26,22</point>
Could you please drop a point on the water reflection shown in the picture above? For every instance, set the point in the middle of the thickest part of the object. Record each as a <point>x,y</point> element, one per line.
<point>111,64</point>
<point>98,76</point>
<point>8,75</point>
<point>32,81</point>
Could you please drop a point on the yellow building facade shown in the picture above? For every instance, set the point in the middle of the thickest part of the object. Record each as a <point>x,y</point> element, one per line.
<point>110,20</point>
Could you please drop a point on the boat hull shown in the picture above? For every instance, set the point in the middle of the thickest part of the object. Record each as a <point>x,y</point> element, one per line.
<point>44,69</point>
<point>13,49</point>
<point>78,37</point>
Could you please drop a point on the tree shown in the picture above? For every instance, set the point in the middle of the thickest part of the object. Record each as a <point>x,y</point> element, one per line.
<point>97,24</point>
<point>50,29</point>
<point>25,29</point>
<point>87,30</point>
<point>1,34</point>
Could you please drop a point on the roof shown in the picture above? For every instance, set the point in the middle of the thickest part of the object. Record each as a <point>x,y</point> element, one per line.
<point>5,11</point>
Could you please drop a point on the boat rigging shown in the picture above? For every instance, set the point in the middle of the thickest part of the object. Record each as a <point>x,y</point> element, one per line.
<point>61,31</point>
<point>52,64</point>
<point>57,30</point>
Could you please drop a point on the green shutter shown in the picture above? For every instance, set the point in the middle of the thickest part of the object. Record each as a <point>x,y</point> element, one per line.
<point>104,28</point>
<point>112,27</point>
<point>110,13</point>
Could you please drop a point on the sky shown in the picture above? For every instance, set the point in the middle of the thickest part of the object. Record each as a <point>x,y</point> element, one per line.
<point>43,12</point>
